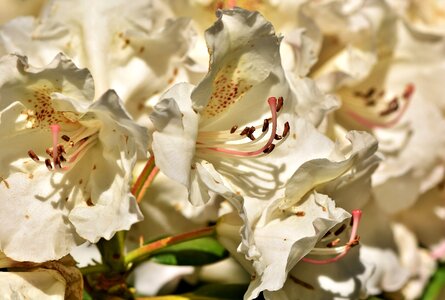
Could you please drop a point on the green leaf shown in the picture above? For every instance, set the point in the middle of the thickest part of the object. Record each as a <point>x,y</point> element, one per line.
<point>196,252</point>
<point>436,285</point>
<point>86,296</point>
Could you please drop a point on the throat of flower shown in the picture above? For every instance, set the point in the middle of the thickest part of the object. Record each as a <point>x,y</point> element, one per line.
<point>332,248</point>
<point>235,145</point>
<point>65,149</point>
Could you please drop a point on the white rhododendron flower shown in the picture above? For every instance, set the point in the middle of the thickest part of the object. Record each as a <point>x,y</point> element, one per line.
<point>295,223</point>
<point>135,48</point>
<point>13,8</point>
<point>67,168</point>
<point>389,95</point>
<point>239,122</point>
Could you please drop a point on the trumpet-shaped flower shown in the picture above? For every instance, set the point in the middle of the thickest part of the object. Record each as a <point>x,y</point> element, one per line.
<point>238,125</point>
<point>66,165</point>
<point>135,48</point>
<point>295,223</point>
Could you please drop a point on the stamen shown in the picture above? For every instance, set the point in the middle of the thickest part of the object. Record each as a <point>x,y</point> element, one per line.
<point>286,129</point>
<point>55,130</point>
<point>234,128</point>
<point>393,106</point>
<point>48,164</point>
<point>268,147</point>
<point>280,103</point>
<point>278,137</point>
<point>33,155</point>
<point>265,125</point>
<point>353,241</point>
<point>65,138</point>
<point>340,230</point>
<point>245,131</point>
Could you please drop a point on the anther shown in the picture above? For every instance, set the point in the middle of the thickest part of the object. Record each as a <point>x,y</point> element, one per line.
<point>62,159</point>
<point>286,129</point>
<point>340,230</point>
<point>333,243</point>
<point>265,125</point>
<point>234,128</point>
<point>269,149</point>
<point>49,151</point>
<point>392,107</point>
<point>57,164</point>
<point>280,103</point>
<point>245,131</point>
<point>33,155</point>
<point>251,130</point>
<point>60,149</point>
<point>48,164</point>
<point>65,138</point>
<point>278,137</point>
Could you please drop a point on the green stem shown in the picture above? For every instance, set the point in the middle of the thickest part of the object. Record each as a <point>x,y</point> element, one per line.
<point>145,251</point>
<point>94,269</point>
<point>436,285</point>
<point>113,251</point>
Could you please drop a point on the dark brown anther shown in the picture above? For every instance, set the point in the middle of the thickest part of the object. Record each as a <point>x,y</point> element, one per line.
<point>251,130</point>
<point>60,149</point>
<point>408,92</point>
<point>300,213</point>
<point>280,103</point>
<point>49,151</point>
<point>265,125</point>
<point>369,93</point>
<point>245,131</point>
<point>278,137</point>
<point>62,159</point>
<point>57,164</point>
<point>234,128</point>
<point>392,107</point>
<point>327,234</point>
<point>340,230</point>
<point>48,164</point>
<point>333,243</point>
<point>269,149</point>
<point>286,129</point>
<point>65,138</point>
<point>370,102</point>
<point>33,155</point>
<point>251,136</point>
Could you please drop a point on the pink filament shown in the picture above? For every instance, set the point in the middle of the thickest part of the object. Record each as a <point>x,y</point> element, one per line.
<point>272,101</point>
<point>55,130</point>
<point>372,124</point>
<point>356,216</point>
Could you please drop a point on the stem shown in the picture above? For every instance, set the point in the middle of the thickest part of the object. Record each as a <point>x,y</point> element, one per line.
<point>149,166</point>
<point>94,269</point>
<point>147,183</point>
<point>145,251</point>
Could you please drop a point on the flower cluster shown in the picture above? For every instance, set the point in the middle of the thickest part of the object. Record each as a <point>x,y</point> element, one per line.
<point>274,149</point>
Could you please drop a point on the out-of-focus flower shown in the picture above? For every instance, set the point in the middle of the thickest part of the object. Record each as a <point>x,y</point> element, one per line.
<point>67,168</point>
<point>50,280</point>
<point>13,8</point>
<point>387,86</point>
<point>135,48</point>
<point>295,223</point>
